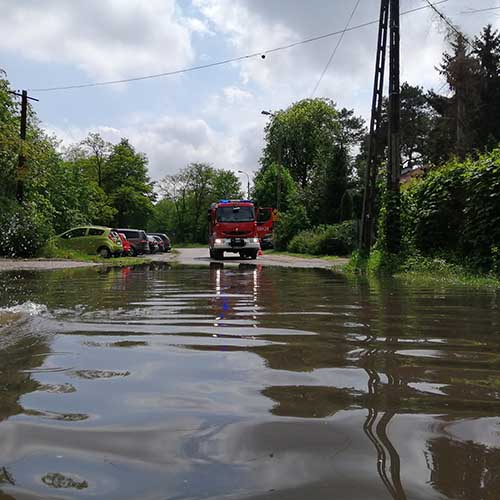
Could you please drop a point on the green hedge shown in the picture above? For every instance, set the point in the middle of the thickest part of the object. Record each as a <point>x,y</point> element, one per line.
<point>455,211</point>
<point>337,239</point>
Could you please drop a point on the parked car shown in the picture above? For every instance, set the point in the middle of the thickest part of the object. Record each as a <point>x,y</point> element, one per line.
<point>161,244</point>
<point>137,239</point>
<point>127,248</point>
<point>91,240</point>
<point>153,244</point>
<point>166,241</point>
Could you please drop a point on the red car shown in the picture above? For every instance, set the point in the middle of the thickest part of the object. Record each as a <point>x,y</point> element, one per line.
<point>125,244</point>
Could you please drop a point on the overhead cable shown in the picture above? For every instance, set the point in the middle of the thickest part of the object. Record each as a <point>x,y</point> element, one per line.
<point>332,55</point>
<point>224,61</point>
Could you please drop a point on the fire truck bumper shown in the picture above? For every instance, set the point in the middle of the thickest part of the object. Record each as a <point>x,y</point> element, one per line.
<point>235,244</point>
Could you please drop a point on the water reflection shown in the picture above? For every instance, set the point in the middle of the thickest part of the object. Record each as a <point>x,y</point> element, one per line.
<point>247,382</point>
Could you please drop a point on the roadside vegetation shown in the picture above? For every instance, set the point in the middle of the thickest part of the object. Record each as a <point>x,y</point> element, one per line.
<point>450,201</point>
<point>312,169</point>
<point>51,251</point>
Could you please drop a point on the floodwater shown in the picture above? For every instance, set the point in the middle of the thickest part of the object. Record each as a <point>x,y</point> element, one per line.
<point>262,383</point>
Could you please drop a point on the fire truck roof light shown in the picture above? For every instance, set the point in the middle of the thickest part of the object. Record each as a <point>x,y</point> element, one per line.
<point>235,201</point>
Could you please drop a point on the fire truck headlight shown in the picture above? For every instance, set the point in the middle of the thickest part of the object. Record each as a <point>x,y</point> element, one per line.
<point>218,241</point>
<point>255,240</point>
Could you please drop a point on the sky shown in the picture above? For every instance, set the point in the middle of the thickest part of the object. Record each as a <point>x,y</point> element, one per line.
<point>211,115</point>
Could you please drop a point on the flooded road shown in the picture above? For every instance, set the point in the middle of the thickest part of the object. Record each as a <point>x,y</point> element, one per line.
<point>246,382</point>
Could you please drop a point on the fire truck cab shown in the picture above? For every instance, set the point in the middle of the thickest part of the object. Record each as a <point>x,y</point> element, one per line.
<point>233,228</point>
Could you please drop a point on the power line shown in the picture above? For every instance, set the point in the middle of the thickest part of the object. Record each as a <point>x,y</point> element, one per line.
<point>332,55</point>
<point>449,23</point>
<point>475,11</point>
<point>225,61</point>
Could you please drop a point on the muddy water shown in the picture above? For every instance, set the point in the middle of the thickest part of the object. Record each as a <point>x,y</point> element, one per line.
<point>187,383</point>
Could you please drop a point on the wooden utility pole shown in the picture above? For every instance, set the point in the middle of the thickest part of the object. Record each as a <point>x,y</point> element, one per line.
<point>374,146</point>
<point>22,168</point>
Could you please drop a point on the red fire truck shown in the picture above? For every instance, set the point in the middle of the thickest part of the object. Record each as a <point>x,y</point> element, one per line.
<point>233,228</point>
<point>266,217</point>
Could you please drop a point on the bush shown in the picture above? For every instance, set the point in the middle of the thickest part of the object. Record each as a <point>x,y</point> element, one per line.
<point>23,231</point>
<point>290,222</point>
<point>455,212</point>
<point>337,239</point>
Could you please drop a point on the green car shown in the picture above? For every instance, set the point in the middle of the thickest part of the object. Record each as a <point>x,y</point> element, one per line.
<point>91,240</point>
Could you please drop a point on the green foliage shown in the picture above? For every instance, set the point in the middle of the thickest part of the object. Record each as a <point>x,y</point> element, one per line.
<point>290,222</point>
<point>126,182</point>
<point>23,231</point>
<point>337,239</point>
<point>272,183</point>
<point>455,211</point>
<point>312,140</point>
<point>182,212</point>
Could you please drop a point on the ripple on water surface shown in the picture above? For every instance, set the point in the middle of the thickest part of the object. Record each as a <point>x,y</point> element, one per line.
<point>158,382</point>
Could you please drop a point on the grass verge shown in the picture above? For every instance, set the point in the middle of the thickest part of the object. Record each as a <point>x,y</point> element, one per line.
<point>417,269</point>
<point>331,258</point>
<point>52,252</point>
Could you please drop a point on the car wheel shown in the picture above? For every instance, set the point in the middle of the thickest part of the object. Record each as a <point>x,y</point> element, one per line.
<point>133,252</point>
<point>104,252</point>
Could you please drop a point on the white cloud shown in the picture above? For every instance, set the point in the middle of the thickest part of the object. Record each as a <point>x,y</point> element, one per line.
<point>170,142</point>
<point>104,38</point>
<point>116,38</point>
<point>233,93</point>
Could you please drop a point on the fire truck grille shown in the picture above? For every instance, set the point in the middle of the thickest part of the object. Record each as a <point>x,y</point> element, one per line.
<point>237,233</point>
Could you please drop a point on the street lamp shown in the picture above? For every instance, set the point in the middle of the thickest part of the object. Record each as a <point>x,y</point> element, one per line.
<point>248,181</point>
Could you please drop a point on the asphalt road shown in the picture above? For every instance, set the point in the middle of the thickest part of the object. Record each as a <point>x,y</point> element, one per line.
<point>188,256</point>
<point>199,256</point>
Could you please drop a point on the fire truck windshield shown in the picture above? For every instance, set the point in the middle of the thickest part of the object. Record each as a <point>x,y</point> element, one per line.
<point>235,214</point>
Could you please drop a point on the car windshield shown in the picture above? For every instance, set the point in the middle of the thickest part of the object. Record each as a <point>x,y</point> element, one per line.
<point>235,214</point>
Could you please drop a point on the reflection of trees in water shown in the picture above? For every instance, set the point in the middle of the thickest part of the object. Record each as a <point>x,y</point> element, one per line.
<point>58,480</point>
<point>464,470</point>
<point>15,380</point>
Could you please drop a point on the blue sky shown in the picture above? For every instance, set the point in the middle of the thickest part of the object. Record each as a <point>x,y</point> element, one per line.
<point>211,115</point>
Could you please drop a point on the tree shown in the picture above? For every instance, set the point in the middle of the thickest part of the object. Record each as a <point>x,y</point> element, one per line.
<point>189,194</point>
<point>272,187</point>
<point>461,71</point>
<point>300,136</point>
<point>487,52</point>
<point>313,141</point>
<point>98,149</point>
<point>126,182</point>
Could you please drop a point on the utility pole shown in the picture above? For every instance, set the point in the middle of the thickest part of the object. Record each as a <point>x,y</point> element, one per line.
<point>22,168</point>
<point>393,218</point>
<point>374,146</point>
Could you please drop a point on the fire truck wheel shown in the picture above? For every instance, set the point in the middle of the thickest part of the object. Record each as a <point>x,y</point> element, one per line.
<point>212,256</point>
<point>254,253</point>
<point>218,254</point>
